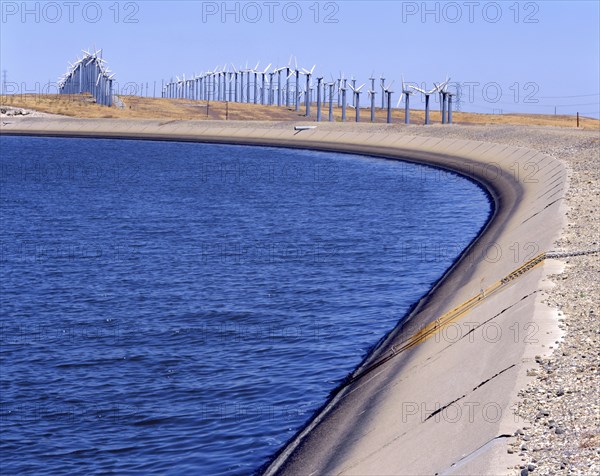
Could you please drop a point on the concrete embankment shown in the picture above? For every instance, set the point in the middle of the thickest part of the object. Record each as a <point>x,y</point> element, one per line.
<point>440,402</point>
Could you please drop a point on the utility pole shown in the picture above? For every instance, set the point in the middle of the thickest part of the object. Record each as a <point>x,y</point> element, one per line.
<point>4,72</point>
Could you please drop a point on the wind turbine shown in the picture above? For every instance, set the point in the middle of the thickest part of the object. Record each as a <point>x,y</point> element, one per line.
<point>220,86</point>
<point>372,94</point>
<point>319,79</point>
<point>262,89</point>
<point>357,100</point>
<point>406,93</point>
<point>342,89</point>
<point>341,78</point>
<point>383,89</point>
<point>308,74</point>
<point>443,90</point>
<point>388,92</point>
<point>224,74</point>
<point>271,99</point>
<point>426,94</point>
<point>235,82</point>
<point>287,82</point>
<point>253,70</point>
<point>331,85</point>
<point>230,79</point>
<point>279,89</point>
<point>450,95</point>
<point>242,71</point>
<point>353,86</point>
<point>297,73</point>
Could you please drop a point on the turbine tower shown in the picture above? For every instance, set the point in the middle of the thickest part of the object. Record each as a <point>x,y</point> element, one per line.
<point>308,75</point>
<point>331,85</point>
<point>271,98</point>
<point>279,89</point>
<point>262,88</point>
<point>297,92</point>
<point>342,90</point>
<point>426,94</point>
<point>319,79</point>
<point>255,72</point>
<point>287,82</point>
<point>341,78</point>
<point>388,92</point>
<point>372,94</point>
<point>443,90</point>
<point>235,83</point>
<point>450,107</point>
<point>406,92</point>
<point>357,100</point>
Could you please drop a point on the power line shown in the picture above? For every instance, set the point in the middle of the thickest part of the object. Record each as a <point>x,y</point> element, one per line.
<point>567,97</point>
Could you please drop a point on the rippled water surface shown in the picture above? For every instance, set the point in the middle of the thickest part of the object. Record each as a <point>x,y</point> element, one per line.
<point>177,308</point>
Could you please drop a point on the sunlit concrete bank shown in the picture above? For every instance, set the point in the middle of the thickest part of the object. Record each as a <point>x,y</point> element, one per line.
<point>443,406</point>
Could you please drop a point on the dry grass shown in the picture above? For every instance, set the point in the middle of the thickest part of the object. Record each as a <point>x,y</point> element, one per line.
<point>185,109</point>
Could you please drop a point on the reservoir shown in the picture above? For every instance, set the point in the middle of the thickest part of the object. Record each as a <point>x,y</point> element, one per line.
<point>181,308</point>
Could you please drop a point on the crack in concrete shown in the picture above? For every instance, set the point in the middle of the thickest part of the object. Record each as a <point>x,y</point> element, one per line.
<point>473,452</point>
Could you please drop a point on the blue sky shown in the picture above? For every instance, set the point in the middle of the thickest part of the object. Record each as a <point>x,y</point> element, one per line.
<point>509,56</point>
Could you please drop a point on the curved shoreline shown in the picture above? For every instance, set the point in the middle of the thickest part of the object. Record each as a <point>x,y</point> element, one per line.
<point>367,428</point>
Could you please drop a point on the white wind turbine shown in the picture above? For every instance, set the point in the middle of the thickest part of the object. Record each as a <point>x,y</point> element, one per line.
<point>279,88</point>
<point>426,94</point>
<point>357,99</point>
<point>319,79</point>
<point>262,89</point>
<point>287,82</point>
<point>296,72</point>
<point>383,88</point>
<point>388,93</point>
<point>235,83</point>
<point>331,86</point>
<point>406,93</point>
<point>443,90</point>
<point>342,93</point>
<point>308,75</point>
<point>372,94</point>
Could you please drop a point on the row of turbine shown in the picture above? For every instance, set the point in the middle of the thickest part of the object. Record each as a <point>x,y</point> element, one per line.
<point>89,75</point>
<point>251,85</point>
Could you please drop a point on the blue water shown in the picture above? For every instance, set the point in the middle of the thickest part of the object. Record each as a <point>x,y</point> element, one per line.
<point>177,308</point>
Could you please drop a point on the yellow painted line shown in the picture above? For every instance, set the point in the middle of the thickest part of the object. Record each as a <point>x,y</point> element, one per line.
<point>455,314</point>
<point>433,328</point>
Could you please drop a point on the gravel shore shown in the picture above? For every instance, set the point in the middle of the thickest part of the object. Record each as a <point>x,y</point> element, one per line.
<point>559,410</point>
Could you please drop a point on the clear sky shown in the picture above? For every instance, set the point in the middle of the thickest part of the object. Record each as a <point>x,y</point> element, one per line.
<point>510,56</point>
